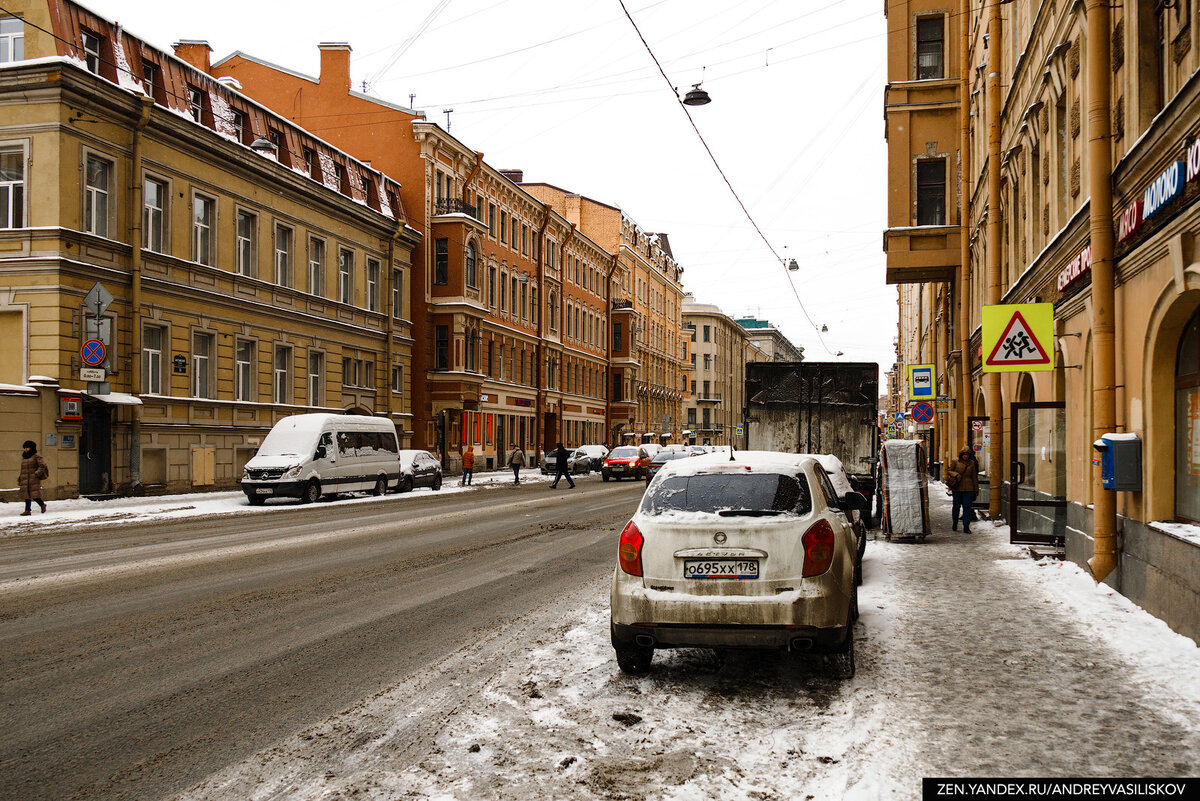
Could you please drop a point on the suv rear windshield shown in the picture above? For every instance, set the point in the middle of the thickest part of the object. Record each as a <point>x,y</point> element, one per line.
<point>771,493</point>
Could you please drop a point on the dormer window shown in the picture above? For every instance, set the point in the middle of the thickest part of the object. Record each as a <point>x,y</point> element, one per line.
<point>310,164</point>
<point>196,103</point>
<point>12,39</point>
<point>91,50</point>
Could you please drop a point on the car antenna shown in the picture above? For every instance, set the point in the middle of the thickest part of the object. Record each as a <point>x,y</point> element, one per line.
<point>731,452</point>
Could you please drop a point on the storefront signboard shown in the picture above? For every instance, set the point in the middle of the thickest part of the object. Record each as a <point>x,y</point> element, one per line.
<point>1079,265</point>
<point>1164,189</point>
<point>1193,161</point>
<point>1130,221</point>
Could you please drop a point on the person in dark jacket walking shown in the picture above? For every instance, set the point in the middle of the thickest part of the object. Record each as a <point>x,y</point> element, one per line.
<point>963,478</point>
<point>561,469</point>
<point>33,473</point>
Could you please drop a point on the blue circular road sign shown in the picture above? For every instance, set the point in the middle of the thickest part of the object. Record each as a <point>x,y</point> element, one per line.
<point>922,412</point>
<point>93,353</point>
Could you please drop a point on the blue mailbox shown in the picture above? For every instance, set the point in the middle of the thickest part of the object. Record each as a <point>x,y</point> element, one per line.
<point>1120,462</point>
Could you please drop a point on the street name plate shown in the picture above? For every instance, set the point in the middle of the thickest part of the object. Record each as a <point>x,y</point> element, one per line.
<point>92,374</point>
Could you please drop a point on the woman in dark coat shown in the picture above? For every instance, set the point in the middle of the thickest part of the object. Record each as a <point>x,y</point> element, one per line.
<point>33,470</point>
<point>964,471</point>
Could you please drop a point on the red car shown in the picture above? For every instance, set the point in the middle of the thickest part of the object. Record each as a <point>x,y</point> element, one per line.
<point>626,461</point>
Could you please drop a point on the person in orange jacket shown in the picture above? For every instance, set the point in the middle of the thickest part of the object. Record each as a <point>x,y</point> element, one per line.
<point>468,460</point>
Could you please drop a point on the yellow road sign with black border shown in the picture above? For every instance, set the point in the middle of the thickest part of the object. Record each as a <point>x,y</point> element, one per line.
<point>1018,338</point>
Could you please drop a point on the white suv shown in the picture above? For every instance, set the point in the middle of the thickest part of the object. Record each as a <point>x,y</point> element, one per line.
<point>756,552</point>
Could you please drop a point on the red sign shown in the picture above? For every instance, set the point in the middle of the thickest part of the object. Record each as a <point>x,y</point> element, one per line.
<point>1130,222</point>
<point>1078,266</point>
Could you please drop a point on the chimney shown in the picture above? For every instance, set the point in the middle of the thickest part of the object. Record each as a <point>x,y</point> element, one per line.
<point>195,52</point>
<point>516,176</point>
<point>335,65</point>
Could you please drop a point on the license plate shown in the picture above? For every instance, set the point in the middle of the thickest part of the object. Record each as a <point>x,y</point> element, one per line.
<point>263,490</point>
<point>618,468</point>
<point>720,568</point>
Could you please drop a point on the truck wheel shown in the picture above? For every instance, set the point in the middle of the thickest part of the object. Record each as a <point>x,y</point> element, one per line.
<point>312,492</point>
<point>380,486</point>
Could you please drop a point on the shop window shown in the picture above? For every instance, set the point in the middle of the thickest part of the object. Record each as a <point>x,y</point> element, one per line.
<point>1187,423</point>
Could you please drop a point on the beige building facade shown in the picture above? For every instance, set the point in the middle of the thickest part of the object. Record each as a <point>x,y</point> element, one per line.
<point>719,350</point>
<point>1074,181</point>
<point>770,341</point>
<point>242,284</point>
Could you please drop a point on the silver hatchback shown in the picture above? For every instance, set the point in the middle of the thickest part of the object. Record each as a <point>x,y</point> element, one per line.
<point>756,552</point>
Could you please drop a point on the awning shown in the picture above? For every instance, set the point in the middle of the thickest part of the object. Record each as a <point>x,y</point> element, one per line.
<point>115,398</point>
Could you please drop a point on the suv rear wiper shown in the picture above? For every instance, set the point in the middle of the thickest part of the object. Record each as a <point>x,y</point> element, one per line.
<point>749,512</point>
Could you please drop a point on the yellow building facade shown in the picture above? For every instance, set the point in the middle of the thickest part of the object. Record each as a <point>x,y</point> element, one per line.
<point>1074,180</point>
<point>252,271</point>
<point>719,350</point>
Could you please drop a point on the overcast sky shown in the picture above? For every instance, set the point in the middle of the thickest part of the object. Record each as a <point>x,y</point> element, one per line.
<point>566,91</point>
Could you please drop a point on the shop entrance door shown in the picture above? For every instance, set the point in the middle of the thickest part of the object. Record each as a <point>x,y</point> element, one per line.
<point>95,449</point>
<point>1038,474</point>
<point>979,438</point>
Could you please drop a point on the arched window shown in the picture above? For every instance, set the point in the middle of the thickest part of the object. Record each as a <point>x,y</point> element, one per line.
<point>471,278</point>
<point>1187,423</point>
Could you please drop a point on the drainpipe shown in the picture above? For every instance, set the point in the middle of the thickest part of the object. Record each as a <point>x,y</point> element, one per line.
<point>390,327</point>
<point>136,200</point>
<point>995,244</point>
<point>1099,154</point>
<point>965,396</point>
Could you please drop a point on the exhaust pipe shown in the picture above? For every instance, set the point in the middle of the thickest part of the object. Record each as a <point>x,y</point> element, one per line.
<point>800,644</point>
<point>644,640</point>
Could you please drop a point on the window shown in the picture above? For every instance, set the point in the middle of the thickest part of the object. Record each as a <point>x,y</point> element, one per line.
<point>471,279</point>
<point>283,373</point>
<point>154,199</point>
<point>550,308</point>
<point>196,103</point>
<point>202,349</point>
<point>1187,415</point>
<point>524,303</point>
<point>492,220</point>
<point>153,80</point>
<point>203,212</point>
<point>441,262</point>
<point>524,239</point>
<point>708,333</point>
<point>707,362</point>
<point>373,285</point>
<point>503,292</point>
<point>245,245</point>
<point>316,377</point>
<point>398,379</point>
<point>441,347</point>
<point>281,151</point>
<point>929,48</point>
<point>512,296</point>
<point>316,267</point>
<point>237,124</point>
<point>283,255</point>
<point>931,192</point>
<point>491,287</point>
<point>91,50</point>
<point>152,359</point>
<point>244,371</point>
<point>617,343</point>
<point>95,201</point>
<point>398,294</point>
<point>12,39</point>
<point>311,164</point>
<point>343,178</point>
<point>345,274</point>
<point>504,227</point>
<point>12,187</point>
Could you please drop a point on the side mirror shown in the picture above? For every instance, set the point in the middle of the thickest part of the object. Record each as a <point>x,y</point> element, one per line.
<point>320,454</point>
<point>853,501</point>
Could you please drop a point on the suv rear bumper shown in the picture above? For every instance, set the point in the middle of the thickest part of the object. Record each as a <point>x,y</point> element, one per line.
<point>682,635</point>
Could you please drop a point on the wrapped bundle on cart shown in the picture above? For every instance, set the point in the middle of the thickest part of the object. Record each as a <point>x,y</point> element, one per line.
<point>905,489</point>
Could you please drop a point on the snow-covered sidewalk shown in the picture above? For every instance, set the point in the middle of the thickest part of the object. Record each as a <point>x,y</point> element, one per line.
<point>83,512</point>
<point>973,660</point>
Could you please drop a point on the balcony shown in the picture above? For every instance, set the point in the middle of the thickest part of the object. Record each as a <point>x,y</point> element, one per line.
<point>454,205</point>
<point>711,397</point>
<point>922,253</point>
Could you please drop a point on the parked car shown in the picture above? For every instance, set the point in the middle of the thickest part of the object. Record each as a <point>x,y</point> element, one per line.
<point>419,469</point>
<point>662,458</point>
<point>306,456</point>
<point>841,485</point>
<point>751,553</point>
<point>588,458</point>
<point>627,461</point>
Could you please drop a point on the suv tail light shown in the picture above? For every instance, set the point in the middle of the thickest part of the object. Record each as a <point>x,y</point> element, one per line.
<point>818,548</point>
<point>629,552</point>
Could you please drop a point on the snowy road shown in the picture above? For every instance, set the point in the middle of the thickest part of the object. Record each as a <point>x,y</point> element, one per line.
<point>973,661</point>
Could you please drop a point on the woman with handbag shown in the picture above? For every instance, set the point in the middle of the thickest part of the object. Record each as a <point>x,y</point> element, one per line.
<point>962,477</point>
<point>33,473</point>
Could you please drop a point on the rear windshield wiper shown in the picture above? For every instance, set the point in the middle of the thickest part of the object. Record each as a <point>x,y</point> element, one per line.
<point>749,512</point>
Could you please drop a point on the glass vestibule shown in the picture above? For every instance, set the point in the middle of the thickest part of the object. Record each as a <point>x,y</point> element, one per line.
<point>1038,474</point>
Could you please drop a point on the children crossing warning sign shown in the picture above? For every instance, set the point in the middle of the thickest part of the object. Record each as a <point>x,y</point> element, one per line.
<point>1018,338</point>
